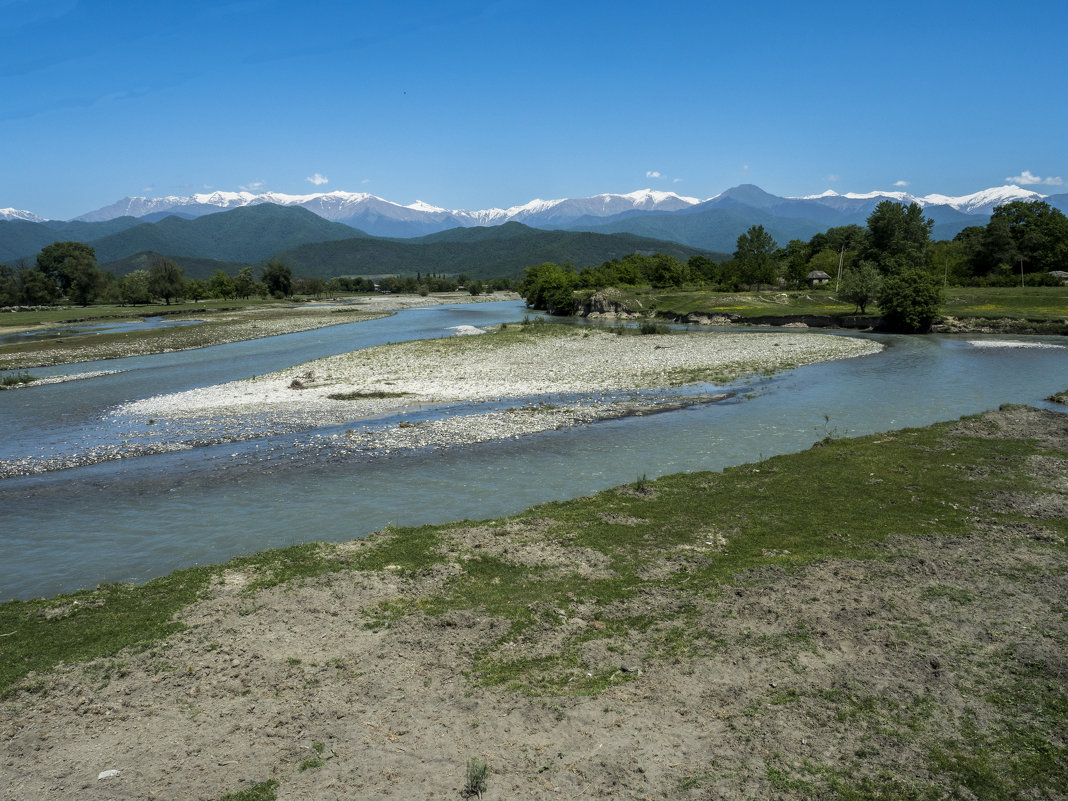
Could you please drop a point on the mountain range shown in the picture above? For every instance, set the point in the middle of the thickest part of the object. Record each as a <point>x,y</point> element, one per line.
<point>307,228</point>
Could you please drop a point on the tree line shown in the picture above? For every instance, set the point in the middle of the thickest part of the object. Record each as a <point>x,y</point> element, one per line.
<point>892,261</point>
<point>69,270</point>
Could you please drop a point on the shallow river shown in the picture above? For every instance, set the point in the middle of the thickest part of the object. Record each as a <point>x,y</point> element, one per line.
<point>135,519</point>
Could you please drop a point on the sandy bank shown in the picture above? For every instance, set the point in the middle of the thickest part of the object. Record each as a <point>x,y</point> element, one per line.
<point>508,364</point>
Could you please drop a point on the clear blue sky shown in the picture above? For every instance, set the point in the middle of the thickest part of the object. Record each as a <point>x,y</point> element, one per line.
<point>474,103</point>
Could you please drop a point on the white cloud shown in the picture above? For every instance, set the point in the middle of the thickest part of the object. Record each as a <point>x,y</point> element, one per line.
<point>1026,177</point>
<point>676,180</point>
<point>834,177</point>
<point>255,186</point>
<point>901,183</point>
<point>653,174</point>
<point>365,181</point>
<point>318,179</point>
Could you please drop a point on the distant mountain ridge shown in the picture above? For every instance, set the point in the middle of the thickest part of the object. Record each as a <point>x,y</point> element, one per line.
<point>197,226</point>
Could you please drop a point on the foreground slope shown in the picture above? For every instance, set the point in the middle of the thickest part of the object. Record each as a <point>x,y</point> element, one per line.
<point>881,617</point>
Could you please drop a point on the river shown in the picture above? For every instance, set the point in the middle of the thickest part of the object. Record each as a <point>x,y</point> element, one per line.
<point>134,519</point>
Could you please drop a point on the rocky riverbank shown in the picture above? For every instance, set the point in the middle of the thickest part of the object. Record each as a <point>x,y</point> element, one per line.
<point>514,382</point>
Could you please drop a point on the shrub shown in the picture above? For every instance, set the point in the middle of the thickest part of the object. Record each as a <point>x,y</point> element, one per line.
<point>909,301</point>
<point>477,772</point>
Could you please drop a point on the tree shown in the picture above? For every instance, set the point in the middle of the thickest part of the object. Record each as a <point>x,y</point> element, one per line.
<point>861,285</point>
<point>551,287</point>
<point>278,278</point>
<point>796,255</point>
<point>754,259</point>
<point>1038,233</point>
<point>475,287</point>
<point>244,282</point>
<point>663,271</point>
<point>133,288</point>
<point>67,262</point>
<point>165,279</point>
<point>196,290</point>
<point>86,282</point>
<point>909,301</point>
<point>221,285</point>
<point>899,237</point>
<point>37,289</point>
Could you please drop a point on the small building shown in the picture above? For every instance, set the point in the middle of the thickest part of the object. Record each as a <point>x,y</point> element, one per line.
<point>817,278</point>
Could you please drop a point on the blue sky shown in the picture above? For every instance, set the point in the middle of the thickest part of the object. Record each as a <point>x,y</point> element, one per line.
<point>475,104</point>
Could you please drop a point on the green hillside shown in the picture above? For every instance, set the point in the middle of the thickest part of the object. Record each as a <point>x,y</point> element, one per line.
<point>713,229</point>
<point>247,234</point>
<point>504,251</point>
<point>22,239</point>
<point>192,267</point>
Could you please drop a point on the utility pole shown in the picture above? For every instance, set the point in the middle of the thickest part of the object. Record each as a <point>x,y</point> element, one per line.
<point>841,258</point>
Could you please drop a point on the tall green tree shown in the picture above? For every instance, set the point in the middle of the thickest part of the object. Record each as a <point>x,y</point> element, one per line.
<point>1038,233</point>
<point>861,285</point>
<point>67,262</point>
<point>221,285</point>
<point>244,282</point>
<point>165,279</point>
<point>36,288</point>
<point>278,278</point>
<point>899,237</point>
<point>754,258</point>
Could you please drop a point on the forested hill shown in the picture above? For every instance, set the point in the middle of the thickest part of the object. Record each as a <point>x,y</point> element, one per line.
<point>499,251</point>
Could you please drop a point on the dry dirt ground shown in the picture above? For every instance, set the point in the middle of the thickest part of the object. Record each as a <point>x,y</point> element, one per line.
<point>839,663</point>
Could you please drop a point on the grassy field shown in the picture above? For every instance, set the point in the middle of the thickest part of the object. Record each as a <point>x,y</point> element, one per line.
<point>1032,303</point>
<point>896,599</point>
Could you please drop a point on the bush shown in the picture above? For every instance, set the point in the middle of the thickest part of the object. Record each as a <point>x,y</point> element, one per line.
<point>909,301</point>
<point>649,327</point>
<point>477,771</point>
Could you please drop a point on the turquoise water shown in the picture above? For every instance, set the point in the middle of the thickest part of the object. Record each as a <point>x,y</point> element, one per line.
<point>135,519</point>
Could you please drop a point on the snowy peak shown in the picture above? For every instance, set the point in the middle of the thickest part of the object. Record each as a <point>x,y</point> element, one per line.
<point>381,217</point>
<point>976,203</point>
<point>19,214</point>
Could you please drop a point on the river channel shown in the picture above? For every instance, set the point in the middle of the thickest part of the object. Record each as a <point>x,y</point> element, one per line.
<point>135,519</point>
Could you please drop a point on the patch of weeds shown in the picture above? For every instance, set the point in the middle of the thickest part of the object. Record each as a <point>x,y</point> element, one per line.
<point>477,778</point>
<point>695,781</point>
<point>365,394</point>
<point>265,791</point>
<point>954,594</point>
<point>649,327</point>
<point>9,380</point>
<point>103,622</point>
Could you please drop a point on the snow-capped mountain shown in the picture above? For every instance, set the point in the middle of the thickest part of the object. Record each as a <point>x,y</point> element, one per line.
<point>19,214</point>
<point>622,212</point>
<point>976,203</point>
<point>386,218</point>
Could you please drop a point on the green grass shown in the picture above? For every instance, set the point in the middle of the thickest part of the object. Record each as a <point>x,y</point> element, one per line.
<point>9,380</point>
<point>365,394</point>
<point>107,312</point>
<point>1030,303</point>
<point>266,791</point>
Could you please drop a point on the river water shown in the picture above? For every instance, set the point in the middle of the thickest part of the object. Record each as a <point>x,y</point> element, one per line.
<point>136,519</point>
